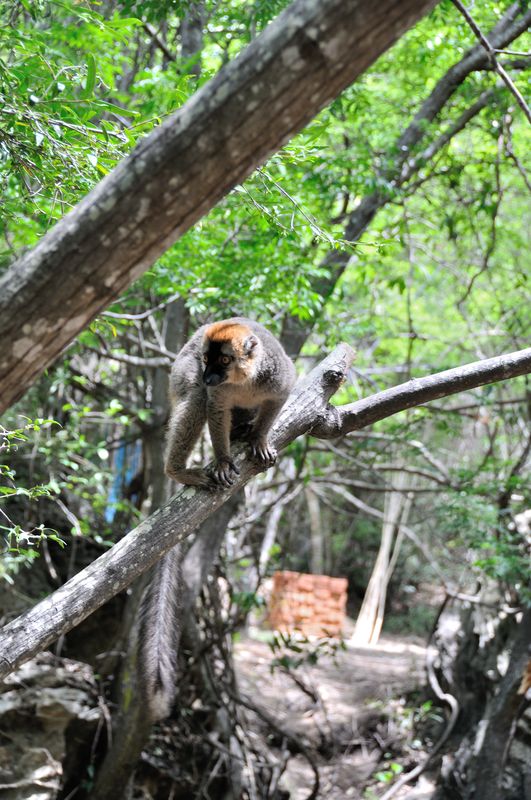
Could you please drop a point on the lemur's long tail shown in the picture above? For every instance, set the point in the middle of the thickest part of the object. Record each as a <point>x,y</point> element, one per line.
<point>159,634</point>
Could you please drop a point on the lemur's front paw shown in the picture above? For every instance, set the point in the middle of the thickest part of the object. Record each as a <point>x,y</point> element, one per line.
<point>224,472</point>
<point>264,453</point>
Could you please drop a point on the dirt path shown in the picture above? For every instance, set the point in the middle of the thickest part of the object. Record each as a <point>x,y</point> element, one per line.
<point>360,713</point>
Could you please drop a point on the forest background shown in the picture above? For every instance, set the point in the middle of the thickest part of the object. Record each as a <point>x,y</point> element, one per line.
<point>416,255</point>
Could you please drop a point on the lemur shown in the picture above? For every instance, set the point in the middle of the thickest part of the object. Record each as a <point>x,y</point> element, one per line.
<point>235,376</point>
<point>225,369</point>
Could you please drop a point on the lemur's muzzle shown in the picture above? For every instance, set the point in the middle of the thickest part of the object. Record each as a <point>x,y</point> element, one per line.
<point>212,378</point>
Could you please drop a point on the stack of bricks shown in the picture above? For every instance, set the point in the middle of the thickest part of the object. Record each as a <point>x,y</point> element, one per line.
<point>312,604</point>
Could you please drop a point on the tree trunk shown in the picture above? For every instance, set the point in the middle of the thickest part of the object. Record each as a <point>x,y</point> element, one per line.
<point>370,618</point>
<point>474,767</point>
<point>130,723</point>
<point>192,38</point>
<point>496,730</point>
<point>132,726</point>
<point>157,485</point>
<point>316,533</point>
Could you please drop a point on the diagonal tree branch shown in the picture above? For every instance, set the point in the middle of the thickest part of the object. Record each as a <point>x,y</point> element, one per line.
<point>307,410</point>
<point>494,61</point>
<point>352,417</point>
<point>412,167</point>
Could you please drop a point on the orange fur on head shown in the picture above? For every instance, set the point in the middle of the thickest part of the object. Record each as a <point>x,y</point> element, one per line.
<point>233,332</point>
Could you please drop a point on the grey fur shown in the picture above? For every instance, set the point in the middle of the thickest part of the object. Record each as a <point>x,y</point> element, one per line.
<point>159,634</point>
<point>249,406</point>
<point>263,391</point>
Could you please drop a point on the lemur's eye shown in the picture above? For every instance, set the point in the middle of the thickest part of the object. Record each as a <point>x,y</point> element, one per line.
<point>205,359</point>
<point>225,360</point>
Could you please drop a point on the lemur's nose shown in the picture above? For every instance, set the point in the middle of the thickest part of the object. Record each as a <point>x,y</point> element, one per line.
<point>212,379</point>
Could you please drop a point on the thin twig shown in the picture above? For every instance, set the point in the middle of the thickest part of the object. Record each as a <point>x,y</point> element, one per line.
<point>290,737</point>
<point>492,56</point>
<point>512,53</point>
<point>491,246</point>
<point>511,154</point>
<point>144,314</point>
<point>158,41</point>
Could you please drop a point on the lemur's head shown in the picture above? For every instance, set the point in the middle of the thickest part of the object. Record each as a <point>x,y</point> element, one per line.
<point>229,353</point>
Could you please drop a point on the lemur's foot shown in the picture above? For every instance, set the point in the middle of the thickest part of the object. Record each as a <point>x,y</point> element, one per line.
<point>264,453</point>
<point>190,477</point>
<point>223,473</point>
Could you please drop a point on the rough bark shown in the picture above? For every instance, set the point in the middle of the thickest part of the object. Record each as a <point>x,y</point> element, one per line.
<point>307,410</point>
<point>313,50</point>
<point>497,727</point>
<point>489,712</point>
<point>192,26</point>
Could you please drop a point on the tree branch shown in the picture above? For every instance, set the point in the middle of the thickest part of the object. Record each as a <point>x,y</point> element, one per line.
<point>336,422</point>
<point>412,167</point>
<point>150,30</point>
<point>155,536</point>
<point>494,61</point>
<point>307,410</point>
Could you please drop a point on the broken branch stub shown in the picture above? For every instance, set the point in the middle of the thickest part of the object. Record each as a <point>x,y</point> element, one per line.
<point>334,421</point>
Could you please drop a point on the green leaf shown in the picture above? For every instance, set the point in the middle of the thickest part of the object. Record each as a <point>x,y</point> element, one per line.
<point>90,80</point>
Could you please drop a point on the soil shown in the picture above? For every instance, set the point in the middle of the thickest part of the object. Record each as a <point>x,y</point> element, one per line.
<point>349,713</point>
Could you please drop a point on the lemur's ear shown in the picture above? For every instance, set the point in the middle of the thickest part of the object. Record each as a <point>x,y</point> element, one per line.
<point>249,344</point>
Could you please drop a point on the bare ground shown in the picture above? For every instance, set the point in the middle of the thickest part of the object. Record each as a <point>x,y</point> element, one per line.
<point>353,726</point>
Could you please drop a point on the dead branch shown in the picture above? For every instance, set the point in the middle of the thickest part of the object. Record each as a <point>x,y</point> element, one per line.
<point>340,421</point>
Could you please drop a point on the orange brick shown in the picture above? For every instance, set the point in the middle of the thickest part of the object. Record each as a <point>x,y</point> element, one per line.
<point>309,603</point>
